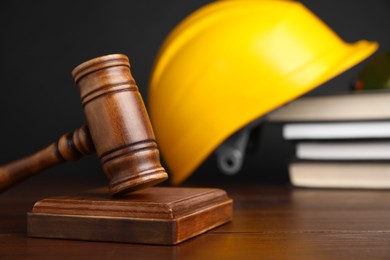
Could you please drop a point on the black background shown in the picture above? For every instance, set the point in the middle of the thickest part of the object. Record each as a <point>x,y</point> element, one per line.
<point>42,41</point>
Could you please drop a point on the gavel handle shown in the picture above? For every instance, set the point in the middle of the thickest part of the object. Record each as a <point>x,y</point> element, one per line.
<point>70,147</point>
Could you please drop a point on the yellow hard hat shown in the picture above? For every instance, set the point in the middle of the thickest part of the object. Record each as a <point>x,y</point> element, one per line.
<point>231,62</point>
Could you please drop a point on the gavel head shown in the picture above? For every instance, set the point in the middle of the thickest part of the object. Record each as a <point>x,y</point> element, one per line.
<point>119,124</point>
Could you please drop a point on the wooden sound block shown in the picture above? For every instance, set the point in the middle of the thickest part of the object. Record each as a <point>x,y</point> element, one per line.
<point>157,215</point>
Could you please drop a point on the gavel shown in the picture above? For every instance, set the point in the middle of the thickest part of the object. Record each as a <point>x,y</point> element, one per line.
<point>118,129</point>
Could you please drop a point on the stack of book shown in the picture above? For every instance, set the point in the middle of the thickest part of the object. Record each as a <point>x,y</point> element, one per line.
<point>342,140</point>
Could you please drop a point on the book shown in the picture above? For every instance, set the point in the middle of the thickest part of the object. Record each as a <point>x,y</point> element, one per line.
<point>374,150</point>
<point>349,137</point>
<point>337,130</point>
<point>349,106</point>
<point>375,175</point>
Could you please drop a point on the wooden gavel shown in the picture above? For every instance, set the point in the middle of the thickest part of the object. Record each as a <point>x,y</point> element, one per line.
<point>118,129</point>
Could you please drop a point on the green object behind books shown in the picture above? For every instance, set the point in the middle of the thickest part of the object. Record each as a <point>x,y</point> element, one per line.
<point>376,74</point>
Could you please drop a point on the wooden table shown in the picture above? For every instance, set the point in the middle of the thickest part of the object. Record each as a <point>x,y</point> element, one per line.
<point>273,222</point>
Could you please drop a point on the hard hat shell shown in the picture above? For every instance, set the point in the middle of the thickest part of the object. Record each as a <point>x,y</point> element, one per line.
<point>232,62</point>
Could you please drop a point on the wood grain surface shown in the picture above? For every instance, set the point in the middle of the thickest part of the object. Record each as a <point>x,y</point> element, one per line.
<point>156,215</point>
<point>269,222</point>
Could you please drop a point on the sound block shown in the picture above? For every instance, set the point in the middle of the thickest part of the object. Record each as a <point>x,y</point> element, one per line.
<point>157,215</point>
